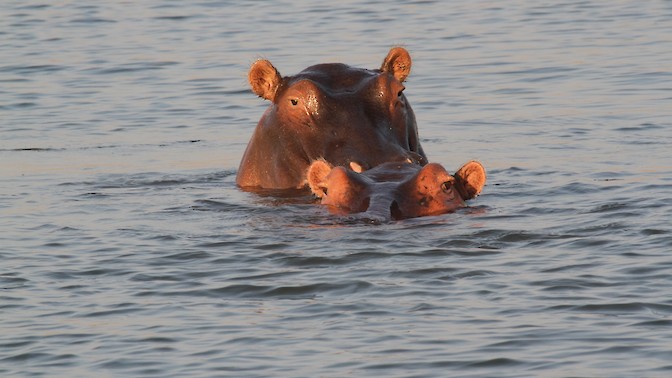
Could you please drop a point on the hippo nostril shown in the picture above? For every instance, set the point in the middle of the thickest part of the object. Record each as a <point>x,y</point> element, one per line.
<point>365,204</point>
<point>395,211</point>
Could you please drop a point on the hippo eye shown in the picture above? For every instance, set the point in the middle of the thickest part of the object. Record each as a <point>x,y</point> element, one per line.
<point>446,186</point>
<point>294,101</point>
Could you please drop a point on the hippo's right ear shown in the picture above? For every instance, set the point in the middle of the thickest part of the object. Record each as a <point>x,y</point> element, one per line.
<point>264,79</point>
<point>397,63</point>
<point>317,174</point>
<point>470,179</point>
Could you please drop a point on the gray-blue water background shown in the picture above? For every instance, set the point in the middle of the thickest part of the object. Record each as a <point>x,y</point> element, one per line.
<point>126,249</point>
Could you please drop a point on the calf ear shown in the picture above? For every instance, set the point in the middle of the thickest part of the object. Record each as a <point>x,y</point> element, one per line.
<point>317,174</point>
<point>470,179</point>
<point>397,63</point>
<point>264,79</point>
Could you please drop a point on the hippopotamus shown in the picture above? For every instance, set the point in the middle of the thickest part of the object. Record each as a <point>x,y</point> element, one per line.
<point>395,190</point>
<point>347,116</point>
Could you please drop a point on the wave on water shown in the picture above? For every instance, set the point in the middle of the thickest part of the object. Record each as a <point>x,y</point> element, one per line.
<point>128,250</point>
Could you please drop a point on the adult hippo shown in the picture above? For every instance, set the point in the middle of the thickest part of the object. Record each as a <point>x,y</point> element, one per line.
<point>346,116</point>
<point>395,190</point>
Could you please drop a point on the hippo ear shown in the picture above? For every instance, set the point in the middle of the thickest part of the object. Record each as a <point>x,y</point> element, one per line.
<point>264,79</point>
<point>317,174</point>
<point>397,63</point>
<point>470,179</point>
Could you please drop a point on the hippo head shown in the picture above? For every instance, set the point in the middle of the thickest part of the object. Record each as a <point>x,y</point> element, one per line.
<point>395,190</point>
<point>346,116</point>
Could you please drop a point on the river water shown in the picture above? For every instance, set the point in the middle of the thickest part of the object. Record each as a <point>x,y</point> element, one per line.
<point>128,251</point>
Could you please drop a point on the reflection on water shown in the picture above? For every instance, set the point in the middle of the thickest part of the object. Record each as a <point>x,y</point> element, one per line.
<point>128,250</point>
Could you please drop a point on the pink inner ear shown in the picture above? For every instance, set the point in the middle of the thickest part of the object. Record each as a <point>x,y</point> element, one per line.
<point>316,176</point>
<point>398,63</point>
<point>471,177</point>
<point>264,79</point>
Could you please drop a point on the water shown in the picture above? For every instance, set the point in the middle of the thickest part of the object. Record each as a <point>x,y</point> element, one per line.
<point>127,250</point>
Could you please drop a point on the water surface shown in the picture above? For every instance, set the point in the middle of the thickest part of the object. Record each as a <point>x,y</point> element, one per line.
<point>127,249</point>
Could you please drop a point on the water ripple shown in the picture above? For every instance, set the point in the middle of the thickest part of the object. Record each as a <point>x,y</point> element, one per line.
<point>264,291</point>
<point>128,250</point>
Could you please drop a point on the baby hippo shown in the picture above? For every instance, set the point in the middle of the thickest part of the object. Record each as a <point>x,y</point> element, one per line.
<point>395,190</point>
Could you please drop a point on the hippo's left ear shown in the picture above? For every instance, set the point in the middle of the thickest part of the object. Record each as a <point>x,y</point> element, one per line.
<point>397,63</point>
<point>316,176</point>
<point>470,180</point>
<point>264,79</point>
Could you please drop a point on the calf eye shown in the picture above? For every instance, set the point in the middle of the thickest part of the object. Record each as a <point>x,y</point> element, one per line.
<point>446,186</point>
<point>294,101</point>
